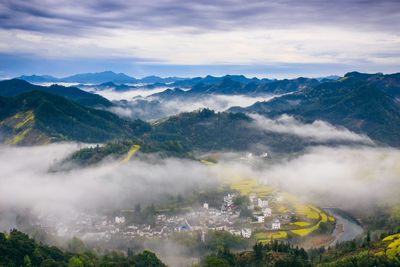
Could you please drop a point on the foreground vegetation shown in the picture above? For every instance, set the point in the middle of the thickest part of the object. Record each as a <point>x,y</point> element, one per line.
<point>17,249</point>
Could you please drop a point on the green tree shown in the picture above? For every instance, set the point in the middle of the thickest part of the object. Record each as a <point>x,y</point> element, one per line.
<point>76,245</point>
<point>75,262</point>
<point>27,261</point>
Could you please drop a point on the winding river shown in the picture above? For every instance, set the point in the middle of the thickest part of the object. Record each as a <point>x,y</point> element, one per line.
<point>349,230</point>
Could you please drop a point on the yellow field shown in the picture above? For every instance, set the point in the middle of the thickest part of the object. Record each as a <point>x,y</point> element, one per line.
<point>313,213</point>
<point>267,236</point>
<point>309,211</point>
<point>244,186</point>
<point>206,162</point>
<point>301,224</point>
<point>28,117</point>
<point>131,152</point>
<point>305,231</point>
<point>19,137</point>
<point>393,249</point>
<point>391,237</point>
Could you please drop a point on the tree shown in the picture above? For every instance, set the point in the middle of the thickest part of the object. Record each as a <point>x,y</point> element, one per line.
<point>27,261</point>
<point>76,245</point>
<point>214,261</point>
<point>75,262</point>
<point>147,259</point>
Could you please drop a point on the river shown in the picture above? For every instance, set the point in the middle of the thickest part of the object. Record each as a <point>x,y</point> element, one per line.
<point>351,229</point>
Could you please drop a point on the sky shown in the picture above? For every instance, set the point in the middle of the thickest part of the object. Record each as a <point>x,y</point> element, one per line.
<point>275,38</point>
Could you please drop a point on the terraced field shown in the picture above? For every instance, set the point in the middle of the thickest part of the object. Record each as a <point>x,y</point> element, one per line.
<point>393,247</point>
<point>132,151</point>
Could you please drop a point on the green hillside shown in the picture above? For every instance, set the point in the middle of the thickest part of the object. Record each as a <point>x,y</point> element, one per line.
<point>38,117</point>
<point>14,87</point>
<point>356,103</point>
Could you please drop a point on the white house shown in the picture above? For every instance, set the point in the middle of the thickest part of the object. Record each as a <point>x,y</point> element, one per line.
<point>253,198</point>
<point>276,225</point>
<point>260,219</point>
<point>119,220</point>
<point>205,205</point>
<point>228,199</point>
<point>267,212</point>
<point>246,232</point>
<point>262,203</point>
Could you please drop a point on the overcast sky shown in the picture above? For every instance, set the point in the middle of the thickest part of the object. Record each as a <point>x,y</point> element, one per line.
<point>274,38</point>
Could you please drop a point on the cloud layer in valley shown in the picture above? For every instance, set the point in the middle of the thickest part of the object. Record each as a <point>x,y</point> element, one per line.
<point>318,130</point>
<point>155,108</point>
<point>25,182</point>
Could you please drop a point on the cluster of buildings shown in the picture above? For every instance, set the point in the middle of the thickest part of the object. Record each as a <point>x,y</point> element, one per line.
<point>226,218</point>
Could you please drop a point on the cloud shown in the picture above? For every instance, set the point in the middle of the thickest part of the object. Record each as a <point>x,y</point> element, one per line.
<point>25,182</point>
<point>318,130</point>
<point>225,32</point>
<point>128,95</point>
<point>350,178</point>
<point>76,16</point>
<point>156,108</point>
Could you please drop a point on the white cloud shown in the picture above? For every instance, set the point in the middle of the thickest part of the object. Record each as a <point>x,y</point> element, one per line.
<point>129,94</point>
<point>155,108</point>
<point>345,177</point>
<point>177,46</point>
<point>25,182</point>
<point>318,130</point>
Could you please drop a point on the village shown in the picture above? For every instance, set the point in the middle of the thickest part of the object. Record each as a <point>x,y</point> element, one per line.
<point>259,217</point>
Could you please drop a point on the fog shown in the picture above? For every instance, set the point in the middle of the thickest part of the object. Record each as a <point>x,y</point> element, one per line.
<point>156,108</point>
<point>342,177</point>
<point>111,94</point>
<point>327,176</point>
<point>318,130</point>
<point>346,177</point>
<point>25,182</point>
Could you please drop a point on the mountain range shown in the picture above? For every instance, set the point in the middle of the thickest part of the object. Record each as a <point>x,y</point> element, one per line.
<point>97,78</point>
<point>364,103</point>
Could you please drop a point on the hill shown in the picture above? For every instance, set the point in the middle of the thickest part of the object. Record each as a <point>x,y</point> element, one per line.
<point>363,103</point>
<point>38,78</point>
<point>14,87</point>
<point>38,117</point>
<point>99,77</point>
<point>238,85</point>
<point>205,131</point>
<point>18,249</point>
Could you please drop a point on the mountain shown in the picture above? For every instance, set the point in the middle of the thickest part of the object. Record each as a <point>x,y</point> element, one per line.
<point>229,86</point>
<point>204,131</point>
<point>389,83</point>
<point>14,87</point>
<point>38,78</point>
<point>210,80</point>
<point>155,79</point>
<point>38,117</point>
<point>108,86</point>
<point>99,77</point>
<point>363,103</point>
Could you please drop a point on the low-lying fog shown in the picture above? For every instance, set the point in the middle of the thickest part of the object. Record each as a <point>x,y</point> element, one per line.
<point>156,108</point>
<point>111,94</point>
<point>343,176</point>
<point>26,183</point>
